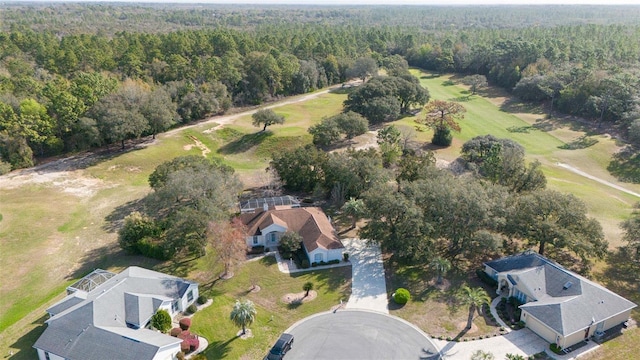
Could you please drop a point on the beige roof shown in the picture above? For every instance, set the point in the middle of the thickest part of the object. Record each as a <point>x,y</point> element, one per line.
<point>310,222</point>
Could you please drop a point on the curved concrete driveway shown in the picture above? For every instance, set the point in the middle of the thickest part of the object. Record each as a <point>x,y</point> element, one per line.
<point>357,334</point>
<point>368,286</point>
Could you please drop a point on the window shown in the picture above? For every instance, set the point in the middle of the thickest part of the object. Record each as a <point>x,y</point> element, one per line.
<point>174,306</point>
<point>255,240</point>
<point>190,296</point>
<point>317,257</point>
<point>273,237</point>
<point>46,356</point>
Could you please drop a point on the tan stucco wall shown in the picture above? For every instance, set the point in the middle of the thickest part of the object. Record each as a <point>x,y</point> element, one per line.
<point>538,327</point>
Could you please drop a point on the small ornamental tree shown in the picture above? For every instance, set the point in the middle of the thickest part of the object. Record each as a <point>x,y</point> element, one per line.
<point>442,117</point>
<point>266,117</point>
<point>308,286</point>
<point>243,314</point>
<point>401,296</point>
<point>161,320</point>
<point>290,242</point>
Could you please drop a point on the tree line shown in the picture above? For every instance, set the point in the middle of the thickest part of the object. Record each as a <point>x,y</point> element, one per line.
<point>65,91</point>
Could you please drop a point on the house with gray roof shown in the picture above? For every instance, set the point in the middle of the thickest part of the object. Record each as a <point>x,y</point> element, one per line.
<point>560,306</point>
<point>107,315</point>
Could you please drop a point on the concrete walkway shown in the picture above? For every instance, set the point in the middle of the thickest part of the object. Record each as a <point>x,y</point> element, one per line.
<point>368,286</point>
<point>522,342</point>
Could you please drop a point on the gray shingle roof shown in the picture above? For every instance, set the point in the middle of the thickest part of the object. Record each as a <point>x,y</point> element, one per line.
<point>95,328</point>
<point>565,301</point>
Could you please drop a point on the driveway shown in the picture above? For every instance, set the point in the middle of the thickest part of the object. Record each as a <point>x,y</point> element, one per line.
<point>358,334</point>
<point>368,286</point>
<point>522,342</point>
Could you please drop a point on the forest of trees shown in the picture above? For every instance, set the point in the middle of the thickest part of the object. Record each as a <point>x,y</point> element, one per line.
<point>69,82</point>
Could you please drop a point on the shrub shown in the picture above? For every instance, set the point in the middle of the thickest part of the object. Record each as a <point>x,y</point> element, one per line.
<point>345,256</point>
<point>448,338</point>
<point>201,299</point>
<point>259,249</point>
<point>185,324</point>
<point>305,264</point>
<point>5,167</point>
<point>442,137</point>
<point>556,349</point>
<point>180,356</point>
<point>314,264</point>
<point>175,332</point>
<point>192,309</point>
<point>335,261</point>
<point>486,278</point>
<point>161,320</point>
<point>401,296</point>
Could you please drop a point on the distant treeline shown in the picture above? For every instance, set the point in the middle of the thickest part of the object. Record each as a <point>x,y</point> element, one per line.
<point>66,88</point>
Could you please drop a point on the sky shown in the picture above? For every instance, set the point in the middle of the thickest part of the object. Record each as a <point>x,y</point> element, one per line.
<point>383,2</point>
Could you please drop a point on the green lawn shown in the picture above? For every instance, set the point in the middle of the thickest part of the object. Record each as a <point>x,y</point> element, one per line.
<point>274,315</point>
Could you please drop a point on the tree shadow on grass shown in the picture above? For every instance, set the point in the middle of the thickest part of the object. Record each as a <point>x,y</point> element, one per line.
<point>219,349</point>
<point>24,344</point>
<point>109,256</point>
<point>625,165</point>
<point>245,143</point>
<point>115,220</point>
<point>334,278</point>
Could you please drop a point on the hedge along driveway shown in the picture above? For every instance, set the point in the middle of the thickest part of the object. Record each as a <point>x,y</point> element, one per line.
<point>368,287</point>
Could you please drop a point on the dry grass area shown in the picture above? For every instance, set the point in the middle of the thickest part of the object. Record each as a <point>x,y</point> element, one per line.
<point>432,308</point>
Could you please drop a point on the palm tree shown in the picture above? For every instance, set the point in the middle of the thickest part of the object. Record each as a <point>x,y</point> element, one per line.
<point>441,266</point>
<point>308,286</point>
<point>354,209</point>
<point>474,298</point>
<point>243,314</point>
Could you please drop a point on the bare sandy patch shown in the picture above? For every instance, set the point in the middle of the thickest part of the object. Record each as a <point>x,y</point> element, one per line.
<point>292,298</point>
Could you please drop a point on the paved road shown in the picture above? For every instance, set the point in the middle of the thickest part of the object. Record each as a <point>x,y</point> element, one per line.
<point>368,287</point>
<point>356,334</point>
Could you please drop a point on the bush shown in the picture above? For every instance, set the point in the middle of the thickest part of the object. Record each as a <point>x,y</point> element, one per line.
<point>259,249</point>
<point>305,264</point>
<point>401,296</point>
<point>442,137</point>
<point>556,349</point>
<point>335,261</point>
<point>314,264</point>
<point>486,278</point>
<point>5,167</point>
<point>201,300</point>
<point>175,332</point>
<point>345,256</point>
<point>185,324</point>
<point>161,320</point>
<point>192,309</point>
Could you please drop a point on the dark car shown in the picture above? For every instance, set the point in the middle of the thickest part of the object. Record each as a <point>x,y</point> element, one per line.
<point>284,344</point>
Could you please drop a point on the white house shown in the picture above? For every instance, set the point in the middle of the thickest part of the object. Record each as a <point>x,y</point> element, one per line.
<point>560,306</point>
<point>105,316</point>
<point>266,227</point>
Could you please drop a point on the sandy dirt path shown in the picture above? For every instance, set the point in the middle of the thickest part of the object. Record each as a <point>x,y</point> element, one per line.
<point>229,119</point>
<point>601,181</point>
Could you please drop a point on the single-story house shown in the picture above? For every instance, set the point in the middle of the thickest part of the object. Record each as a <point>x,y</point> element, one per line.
<point>266,226</point>
<point>560,306</point>
<point>106,316</point>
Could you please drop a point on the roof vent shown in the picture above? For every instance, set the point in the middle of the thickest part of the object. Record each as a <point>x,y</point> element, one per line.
<point>567,285</point>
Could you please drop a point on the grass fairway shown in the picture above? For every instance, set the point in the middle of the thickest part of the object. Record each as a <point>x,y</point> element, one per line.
<point>494,114</point>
